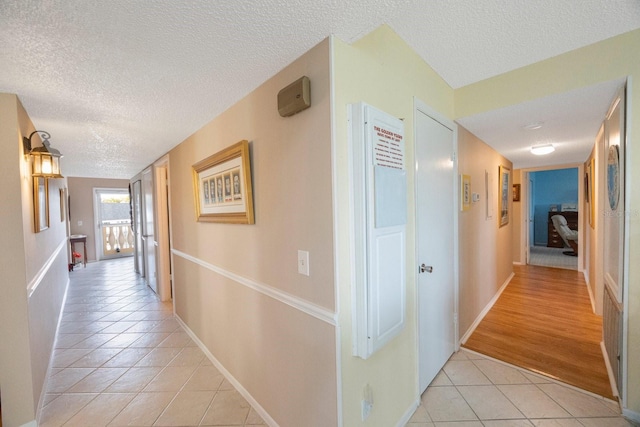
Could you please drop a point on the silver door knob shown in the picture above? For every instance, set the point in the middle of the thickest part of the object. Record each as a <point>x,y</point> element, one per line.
<point>426,268</point>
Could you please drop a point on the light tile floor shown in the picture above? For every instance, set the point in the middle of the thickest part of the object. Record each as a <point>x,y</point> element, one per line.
<point>121,359</point>
<point>474,391</point>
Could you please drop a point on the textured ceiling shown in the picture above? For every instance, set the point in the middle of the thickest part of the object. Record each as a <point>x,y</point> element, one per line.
<point>118,83</point>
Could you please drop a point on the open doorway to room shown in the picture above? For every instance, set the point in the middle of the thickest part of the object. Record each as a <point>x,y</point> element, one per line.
<point>552,193</point>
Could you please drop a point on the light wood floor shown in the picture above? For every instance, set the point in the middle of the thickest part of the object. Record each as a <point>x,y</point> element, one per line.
<point>543,322</point>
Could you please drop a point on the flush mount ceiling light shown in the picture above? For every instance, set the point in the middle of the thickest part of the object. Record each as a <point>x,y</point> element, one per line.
<point>540,150</point>
<point>533,126</point>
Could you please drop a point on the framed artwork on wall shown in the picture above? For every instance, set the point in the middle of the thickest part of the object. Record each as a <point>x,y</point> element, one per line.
<point>465,192</point>
<point>503,195</point>
<point>516,192</point>
<point>488,186</point>
<point>590,190</point>
<point>40,203</point>
<point>222,186</point>
<point>613,176</point>
<point>63,202</point>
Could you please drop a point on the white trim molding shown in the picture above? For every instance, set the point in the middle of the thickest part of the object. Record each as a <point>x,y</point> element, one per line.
<point>409,413</point>
<point>303,305</point>
<point>612,377</point>
<point>591,296</point>
<point>50,367</point>
<point>254,403</point>
<point>631,415</point>
<point>37,279</point>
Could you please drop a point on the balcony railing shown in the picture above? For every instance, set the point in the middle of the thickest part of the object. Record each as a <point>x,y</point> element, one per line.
<point>117,238</point>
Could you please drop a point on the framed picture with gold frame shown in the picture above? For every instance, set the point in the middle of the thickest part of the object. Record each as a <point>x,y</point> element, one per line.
<point>516,192</point>
<point>63,204</point>
<point>504,195</point>
<point>591,191</point>
<point>40,203</point>
<point>465,192</point>
<point>222,186</point>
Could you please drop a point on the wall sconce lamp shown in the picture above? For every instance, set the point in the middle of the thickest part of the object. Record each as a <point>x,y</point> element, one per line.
<point>46,160</point>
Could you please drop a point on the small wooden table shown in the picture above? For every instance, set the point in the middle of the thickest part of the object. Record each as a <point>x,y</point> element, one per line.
<point>79,238</point>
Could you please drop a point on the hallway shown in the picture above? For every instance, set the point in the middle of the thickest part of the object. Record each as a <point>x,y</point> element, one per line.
<point>544,322</point>
<point>122,359</point>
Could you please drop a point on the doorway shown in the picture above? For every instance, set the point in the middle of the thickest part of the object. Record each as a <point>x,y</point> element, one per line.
<point>136,193</point>
<point>436,241</point>
<point>552,192</point>
<point>155,230</point>
<point>114,236</point>
<point>148,230</point>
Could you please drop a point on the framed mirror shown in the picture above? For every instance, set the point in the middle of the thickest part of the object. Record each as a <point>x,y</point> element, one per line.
<point>40,203</point>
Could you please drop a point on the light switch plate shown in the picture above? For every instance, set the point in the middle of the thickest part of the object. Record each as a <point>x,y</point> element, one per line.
<point>303,262</point>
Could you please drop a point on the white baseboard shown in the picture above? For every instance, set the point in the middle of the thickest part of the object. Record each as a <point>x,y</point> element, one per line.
<point>591,297</point>
<point>254,403</point>
<point>51,355</point>
<point>408,413</point>
<point>518,263</point>
<point>612,381</point>
<point>484,312</point>
<point>631,415</point>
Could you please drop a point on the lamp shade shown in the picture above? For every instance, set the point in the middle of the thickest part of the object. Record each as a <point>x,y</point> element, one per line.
<point>46,161</point>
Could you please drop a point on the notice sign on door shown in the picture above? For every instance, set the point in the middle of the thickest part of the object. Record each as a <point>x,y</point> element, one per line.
<point>388,149</point>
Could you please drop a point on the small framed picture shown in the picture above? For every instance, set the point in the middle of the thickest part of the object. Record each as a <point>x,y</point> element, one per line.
<point>503,195</point>
<point>465,192</point>
<point>40,203</point>
<point>516,192</point>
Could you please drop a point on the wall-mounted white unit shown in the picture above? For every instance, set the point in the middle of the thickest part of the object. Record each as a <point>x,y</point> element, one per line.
<point>378,184</point>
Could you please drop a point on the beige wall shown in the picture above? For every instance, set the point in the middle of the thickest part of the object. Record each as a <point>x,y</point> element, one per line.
<point>607,60</point>
<point>284,357</point>
<point>81,207</point>
<point>34,269</point>
<point>381,70</point>
<point>486,250</point>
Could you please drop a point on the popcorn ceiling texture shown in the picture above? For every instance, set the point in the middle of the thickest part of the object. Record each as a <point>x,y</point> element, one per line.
<point>118,83</point>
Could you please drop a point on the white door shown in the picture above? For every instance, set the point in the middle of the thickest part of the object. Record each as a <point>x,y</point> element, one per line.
<point>435,213</point>
<point>163,264</point>
<point>137,221</point>
<point>148,230</point>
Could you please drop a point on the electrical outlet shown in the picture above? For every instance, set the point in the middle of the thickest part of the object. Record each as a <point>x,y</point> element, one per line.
<point>367,402</point>
<point>366,409</point>
<point>303,262</point>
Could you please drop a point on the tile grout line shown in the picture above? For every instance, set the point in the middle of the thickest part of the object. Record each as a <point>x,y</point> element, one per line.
<point>543,377</point>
